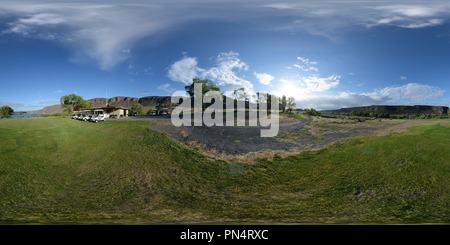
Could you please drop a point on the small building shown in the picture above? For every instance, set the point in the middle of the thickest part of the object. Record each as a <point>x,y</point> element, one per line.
<point>115,111</point>
<point>109,111</point>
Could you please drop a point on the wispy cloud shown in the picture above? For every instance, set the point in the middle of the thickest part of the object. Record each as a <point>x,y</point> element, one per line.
<point>148,71</point>
<point>167,88</point>
<point>102,32</point>
<point>19,106</point>
<point>47,102</point>
<point>306,65</point>
<point>106,32</point>
<point>411,91</point>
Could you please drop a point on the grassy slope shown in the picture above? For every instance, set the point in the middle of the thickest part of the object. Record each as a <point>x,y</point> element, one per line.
<point>63,170</point>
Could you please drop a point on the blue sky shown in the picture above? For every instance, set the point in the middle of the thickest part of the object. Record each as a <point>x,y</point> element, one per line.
<point>325,54</point>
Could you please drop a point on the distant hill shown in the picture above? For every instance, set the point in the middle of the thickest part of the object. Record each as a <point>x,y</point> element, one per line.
<point>398,109</point>
<point>148,102</point>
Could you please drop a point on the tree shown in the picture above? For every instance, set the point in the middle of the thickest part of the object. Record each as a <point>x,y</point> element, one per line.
<point>207,85</point>
<point>86,104</point>
<point>6,111</point>
<point>240,94</point>
<point>283,103</point>
<point>70,101</point>
<point>291,103</point>
<point>138,108</point>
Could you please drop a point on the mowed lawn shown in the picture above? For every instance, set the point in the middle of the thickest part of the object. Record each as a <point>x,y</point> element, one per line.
<point>60,170</point>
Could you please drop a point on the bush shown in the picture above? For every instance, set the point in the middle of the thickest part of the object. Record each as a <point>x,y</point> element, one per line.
<point>312,112</point>
<point>138,108</point>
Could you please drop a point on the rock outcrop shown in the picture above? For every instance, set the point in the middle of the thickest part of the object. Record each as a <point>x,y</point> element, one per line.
<point>115,101</point>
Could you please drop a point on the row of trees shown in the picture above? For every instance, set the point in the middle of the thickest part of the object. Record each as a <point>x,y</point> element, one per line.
<point>240,94</point>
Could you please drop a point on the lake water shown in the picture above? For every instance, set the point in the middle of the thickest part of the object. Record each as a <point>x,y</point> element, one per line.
<point>24,115</point>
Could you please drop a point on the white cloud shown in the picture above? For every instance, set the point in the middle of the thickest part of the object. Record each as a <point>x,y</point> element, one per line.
<point>223,73</point>
<point>146,92</point>
<point>412,91</point>
<point>341,100</point>
<point>403,78</point>
<point>410,10</point>
<point>19,106</point>
<point>58,91</point>
<point>409,16</point>
<point>426,23</point>
<point>264,78</point>
<point>314,96</point>
<point>184,70</point>
<point>100,32</point>
<point>42,19</point>
<point>319,84</point>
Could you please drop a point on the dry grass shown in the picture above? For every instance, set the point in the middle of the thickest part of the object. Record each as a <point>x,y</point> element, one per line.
<point>251,157</point>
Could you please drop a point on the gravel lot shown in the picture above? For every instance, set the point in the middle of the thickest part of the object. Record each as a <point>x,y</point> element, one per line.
<point>294,134</point>
<point>238,140</point>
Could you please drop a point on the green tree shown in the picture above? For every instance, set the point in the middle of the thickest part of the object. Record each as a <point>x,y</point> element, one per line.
<point>240,94</point>
<point>86,104</point>
<point>71,100</point>
<point>264,98</point>
<point>291,103</point>
<point>6,111</point>
<point>207,85</point>
<point>138,108</point>
<point>283,103</point>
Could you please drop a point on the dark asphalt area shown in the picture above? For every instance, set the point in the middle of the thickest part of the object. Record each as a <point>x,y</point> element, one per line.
<point>245,139</point>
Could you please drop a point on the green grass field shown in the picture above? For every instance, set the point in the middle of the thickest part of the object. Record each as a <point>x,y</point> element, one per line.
<point>59,170</point>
